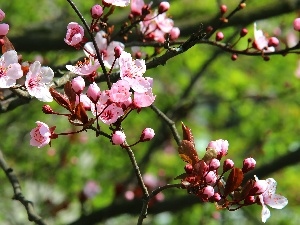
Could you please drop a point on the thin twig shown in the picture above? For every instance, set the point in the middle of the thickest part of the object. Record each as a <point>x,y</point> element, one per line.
<point>32,216</point>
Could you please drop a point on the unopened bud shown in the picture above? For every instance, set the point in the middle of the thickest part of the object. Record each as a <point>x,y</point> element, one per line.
<point>228,165</point>
<point>96,11</point>
<point>219,36</point>
<point>118,50</point>
<point>163,7</point>
<point>243,32</point>
<point>273,42</point>
<point>234,57</point>
<point>147,134</point>
<point>242,5</point>
<point>296,24</point>
<point>188,168</point>
<point>223,9</point>
<point>248,164</point>
<point>47,109</point>
<point>118,138</point>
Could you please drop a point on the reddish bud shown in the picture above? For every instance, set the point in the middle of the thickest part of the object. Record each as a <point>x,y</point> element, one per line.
<point>163,7</point>
<point>216,197</point>
<point>248,164</point>
<point>118,138</point>
<point>234,57</point>
<point>78,84</point>
<point>214,164</point>
<point>47,109</point>
<point>219,36</point>
<point>4,29</point>
<point>188,168</point>
<point>118,50</point>
<point>223,9</point>
<point>96,11</point>
<point>296,24</point>
<point>243,32</point>
<point>147,134</point>
<point>266,58</point>
<point>209,29</point>
<point>249,200</point>
<point>208,191</point>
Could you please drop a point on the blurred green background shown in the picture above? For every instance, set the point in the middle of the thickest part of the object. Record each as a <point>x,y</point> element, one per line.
<point>252,103</point>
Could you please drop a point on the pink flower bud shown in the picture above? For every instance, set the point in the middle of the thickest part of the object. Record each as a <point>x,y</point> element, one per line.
<point>273,42</point>
<point>78,84</point>
<point>86,102</point>
<point>211,177</point>
<point>219,36</point>
<point>2,15</point>
<point>216,197</point>
<point>4,29</point>
<point>249,200</point>
<point>223,9</point>
<point>163,7</point>
<point>297,24</point>
<point>147,134</point>
<point>243,32</point>
<point>118,50</point>
<point>234,57</point>
<point>259,187</point>
<point>248,164</point>
<point>208,191</point>
<point>96,11</point>
<point>174,33</point>
<point>93,92</point>
<point>228,165</point>
<point>118,137</point>
<point>188,168</point>
<point>214,164</point>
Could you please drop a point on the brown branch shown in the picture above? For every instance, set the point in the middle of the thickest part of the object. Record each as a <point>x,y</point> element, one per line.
<point>32,216</point>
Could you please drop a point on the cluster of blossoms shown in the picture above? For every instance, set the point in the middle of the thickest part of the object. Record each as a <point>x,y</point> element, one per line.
<point>203,178</point>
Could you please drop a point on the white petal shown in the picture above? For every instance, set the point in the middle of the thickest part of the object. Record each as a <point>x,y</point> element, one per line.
<point>265,213</point>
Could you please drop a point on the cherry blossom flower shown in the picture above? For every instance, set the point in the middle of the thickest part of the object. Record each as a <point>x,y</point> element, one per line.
<point>75,34</point>
<point>118,137</point>
<point>261,41</point>
<point>2,15</point>
<point>121,3</point>
<point>10,69</point>
<point>221,146</point>
<point>40,135</point>
<point>119,91</point>
<point>145,99</point>
<point>107,50</point>
<point>37,81</point>
<point>84,68</point>
<point>268,197</point>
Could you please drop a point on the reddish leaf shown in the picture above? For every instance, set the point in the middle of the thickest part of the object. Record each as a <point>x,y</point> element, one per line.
<point>187,152</point>
<point>60,99</point>
<point>234,180</point>
<point>7,46</point>
<point>187,134</point>
<point>81,113</point>
<point>247,188</point>
<point>70,93</point>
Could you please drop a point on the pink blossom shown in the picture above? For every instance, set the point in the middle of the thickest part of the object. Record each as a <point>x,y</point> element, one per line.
<point>78,84</point>
<point>141,100</point>
<point>208,191</point>
<point>136,7</point>
<point>121,3</point>
<point>174,33</point>
<point>75,34</point>
<point>259,187</point>
<point>211,177</point>
<point>41,135</point>
<point>106,50</point>
<point>147,134</point>
<point>228,164</point>
<point>91,189</point>
<point>93,92</point>
<point>110,114</point>
<point>10,69</point>
<point>271,199</point>
<point>4,28</point>
<point>260,41</point>
<point>118,137</point>
<point>119,91</point>
<point>2,15</point>
<point>37,81</point>
<point>164,23</point>
<point>84,68</point>
<point>214,164</point>
<point>221,146</point>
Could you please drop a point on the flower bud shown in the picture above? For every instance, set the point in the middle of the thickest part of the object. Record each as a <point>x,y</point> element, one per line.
<point>214,164</point>
<point>228,165</point>
<point>243,32</point>
<point>208,191</point>
<point>234,57</point>
<point>47,109</point>
<point>223,9</point>
<point>163,7</point>
<point>216,197</point>
<point>147,134</point>
<point>249,200</point>
<point>219,36</point>
<point>118,137</point>
<point>93,92</point>
<point>248,164</point>
<point>296,24</point>
<point>259,187</point>
<point>273,42</point>
<point>78,84</point>
<point>96,11</point>
<point>4,29</point>
<point>188,168</point>
<point>211,177</point>
<point>118,50</point>
<point>174,33</point>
